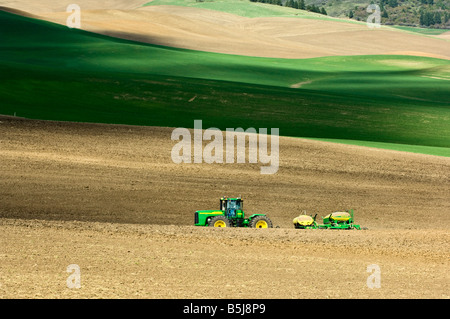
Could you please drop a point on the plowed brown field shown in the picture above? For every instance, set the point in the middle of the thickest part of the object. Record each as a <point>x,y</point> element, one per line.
<point>109,199</point>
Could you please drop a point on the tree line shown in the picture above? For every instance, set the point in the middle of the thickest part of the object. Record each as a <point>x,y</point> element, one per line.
<point>419,13</point>
<point>430,18</point>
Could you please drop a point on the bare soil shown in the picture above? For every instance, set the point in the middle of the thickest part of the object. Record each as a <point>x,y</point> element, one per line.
<point>109,199</point>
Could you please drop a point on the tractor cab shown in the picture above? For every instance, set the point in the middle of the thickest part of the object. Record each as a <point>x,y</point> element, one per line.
<point>232,207</point>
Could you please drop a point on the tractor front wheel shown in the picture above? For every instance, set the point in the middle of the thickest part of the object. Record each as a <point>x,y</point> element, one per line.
<point>219,221</point>
<point>261,222</point>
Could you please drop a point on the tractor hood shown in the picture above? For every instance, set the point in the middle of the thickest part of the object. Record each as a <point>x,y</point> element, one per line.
<point>214,211</point>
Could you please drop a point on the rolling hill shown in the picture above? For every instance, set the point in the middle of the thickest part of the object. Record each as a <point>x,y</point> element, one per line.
<point>72,75</point>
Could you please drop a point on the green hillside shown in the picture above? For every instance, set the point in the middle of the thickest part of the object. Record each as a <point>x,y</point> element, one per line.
<point>244,8</point>
<point>413,13</point>
<point>48,71</point>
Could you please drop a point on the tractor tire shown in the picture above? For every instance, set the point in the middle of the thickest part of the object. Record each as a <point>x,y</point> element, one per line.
<point>261,222</point>
<point>219,221</point>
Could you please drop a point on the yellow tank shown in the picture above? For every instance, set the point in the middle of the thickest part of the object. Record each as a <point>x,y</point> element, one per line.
<point>338,216</point>
<point>303,220</point>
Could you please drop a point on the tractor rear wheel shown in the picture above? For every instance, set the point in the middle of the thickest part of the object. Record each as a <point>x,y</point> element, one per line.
<point>219,221</point>
<point>261,222</point>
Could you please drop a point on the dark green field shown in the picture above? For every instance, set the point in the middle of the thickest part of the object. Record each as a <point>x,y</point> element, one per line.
<point>50,72</point>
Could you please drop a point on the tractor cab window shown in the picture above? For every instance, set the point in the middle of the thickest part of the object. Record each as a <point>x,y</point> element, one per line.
<point>232,204</point>
<point>223,204</point>
<point>235,204</point>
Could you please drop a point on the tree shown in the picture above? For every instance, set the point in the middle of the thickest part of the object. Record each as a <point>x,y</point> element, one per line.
<point>301,5</point>
<point>437,17</point>
<point>393,3</point>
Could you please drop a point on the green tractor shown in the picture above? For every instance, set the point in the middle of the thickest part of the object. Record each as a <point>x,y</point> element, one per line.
<point>231,214</point>
<point>339,220</point>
